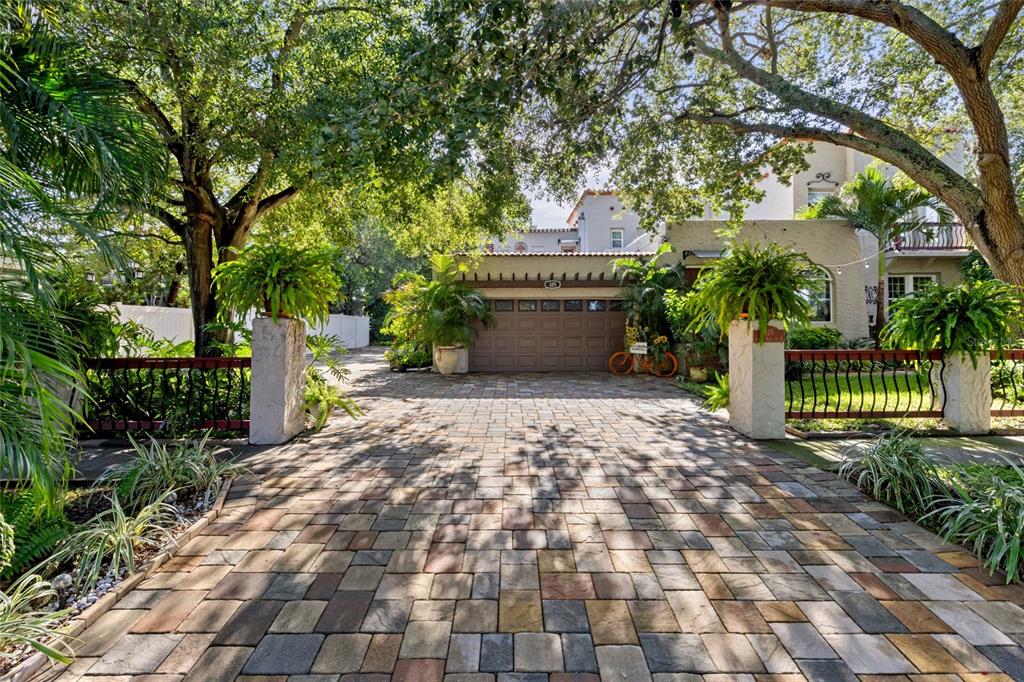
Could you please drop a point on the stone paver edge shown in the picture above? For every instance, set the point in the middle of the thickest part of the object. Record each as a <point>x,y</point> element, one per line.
<point>31,665</point>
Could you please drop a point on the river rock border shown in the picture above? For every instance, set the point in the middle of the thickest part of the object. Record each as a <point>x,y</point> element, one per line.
<point>77,624</point>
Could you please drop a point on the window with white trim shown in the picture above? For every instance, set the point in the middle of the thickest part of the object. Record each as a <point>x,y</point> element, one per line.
<point>901,285</point>
<point>819,295</point>
<point>617,239</point>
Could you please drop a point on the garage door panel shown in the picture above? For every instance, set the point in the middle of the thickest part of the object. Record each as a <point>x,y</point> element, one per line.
<point>572,344</point>
<point>550,324</point>
<point>572,322</point>
<point>550,344</point>
<point>527,344</point>
<point>505,344</point>
<point>572,363</point>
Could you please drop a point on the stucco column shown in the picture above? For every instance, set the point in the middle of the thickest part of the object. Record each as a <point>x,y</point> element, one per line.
<point>965,392</point>
<point>757,381</point>
<point>276,414</point>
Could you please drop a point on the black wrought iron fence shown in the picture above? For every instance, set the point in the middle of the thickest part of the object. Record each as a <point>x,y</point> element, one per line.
<point>1008,383</point>
<point>862,384</point>
<point>174,394</point>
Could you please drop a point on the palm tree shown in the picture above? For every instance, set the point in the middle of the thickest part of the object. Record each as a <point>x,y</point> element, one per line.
<point>885,209</point>
<point>74,152</point>
<point>644,285</point>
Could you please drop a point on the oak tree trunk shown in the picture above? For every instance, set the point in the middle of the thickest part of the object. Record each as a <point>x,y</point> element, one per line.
<point>199,254</point>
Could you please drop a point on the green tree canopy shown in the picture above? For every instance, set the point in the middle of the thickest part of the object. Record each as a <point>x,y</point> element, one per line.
<point>690,100</point>
<point>257,102</point>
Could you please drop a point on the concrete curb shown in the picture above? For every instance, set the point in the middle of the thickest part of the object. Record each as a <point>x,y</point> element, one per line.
<point>74,627</point>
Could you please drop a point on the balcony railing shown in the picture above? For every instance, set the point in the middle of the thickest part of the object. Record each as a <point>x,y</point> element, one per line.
<point>949,238</point>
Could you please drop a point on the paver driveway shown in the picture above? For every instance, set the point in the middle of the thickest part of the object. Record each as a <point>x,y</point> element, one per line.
<point>515,527</point>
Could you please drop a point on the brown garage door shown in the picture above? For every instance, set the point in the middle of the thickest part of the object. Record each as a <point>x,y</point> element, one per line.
<point>544,335</point>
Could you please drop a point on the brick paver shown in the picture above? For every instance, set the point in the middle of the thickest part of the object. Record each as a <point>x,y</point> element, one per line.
<point>553,527</point>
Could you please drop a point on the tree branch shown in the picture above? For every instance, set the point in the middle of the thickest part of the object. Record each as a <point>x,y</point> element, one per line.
<point>150,108</point>
<point>176,225</point>
<point>945,47</point>
<point>931,178</point>
<point>145,235</point>
<point>996,33</point>
<point>796,97</point>
<point>277,199</point>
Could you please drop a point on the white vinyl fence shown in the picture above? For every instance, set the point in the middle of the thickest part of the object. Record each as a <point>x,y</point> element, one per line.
<point>175,324</point>
<point>171,324</point>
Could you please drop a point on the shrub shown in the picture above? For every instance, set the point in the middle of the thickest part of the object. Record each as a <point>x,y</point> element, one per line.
<point>984,511</point>
<point>762,283</point>
<point>441,311</point>
<point>704,343</point>
<point>36,530</point>
<point>112,538</point>
<point>24,620</point>
<point>185,467</point>
<point>406,356</point>
<point>280,280</point>
<point>718,393</point>
<point>968,318</point>
<point>320,397</point>
<point>644,286</point>
<point>894,470</point>
<point>813,338</point>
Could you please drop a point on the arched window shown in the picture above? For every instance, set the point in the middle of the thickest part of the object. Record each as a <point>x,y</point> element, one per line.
<point>820,296</point>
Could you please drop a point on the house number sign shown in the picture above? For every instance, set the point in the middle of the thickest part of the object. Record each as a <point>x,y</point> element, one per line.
<point>552,284</point>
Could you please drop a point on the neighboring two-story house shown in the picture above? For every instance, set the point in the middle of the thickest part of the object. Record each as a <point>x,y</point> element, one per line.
<point>555,298</point>
<point>598,222</point>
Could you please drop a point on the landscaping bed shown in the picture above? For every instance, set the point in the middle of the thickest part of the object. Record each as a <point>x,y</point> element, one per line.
<point>977,506</point>
<point>65,554</point>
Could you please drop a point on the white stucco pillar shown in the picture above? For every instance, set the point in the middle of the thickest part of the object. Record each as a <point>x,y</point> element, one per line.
<point>757,381</point>
<point>965,392</point>
<point>276,414</point>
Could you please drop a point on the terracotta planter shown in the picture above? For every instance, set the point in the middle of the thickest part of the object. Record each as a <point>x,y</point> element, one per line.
<point>446,358</point>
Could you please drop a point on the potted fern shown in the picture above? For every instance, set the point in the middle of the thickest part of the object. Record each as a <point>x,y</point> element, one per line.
<point>441,313</point>
<point>753,283</point>
<point>289,286</point>
<point>280,281</point>
<point>760,287</point>
<point>965,322</point>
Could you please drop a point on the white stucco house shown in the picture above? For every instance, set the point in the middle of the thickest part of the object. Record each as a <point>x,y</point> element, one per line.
<point>555,299</point>
<point>598,222</point>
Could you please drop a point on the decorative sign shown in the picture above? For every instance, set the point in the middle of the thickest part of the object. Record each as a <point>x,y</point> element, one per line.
<point>638,349</point>
<point>552,284</point>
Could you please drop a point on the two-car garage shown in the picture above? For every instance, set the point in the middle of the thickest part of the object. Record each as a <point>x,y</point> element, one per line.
<point>552,312</point>
<point>549,334</point>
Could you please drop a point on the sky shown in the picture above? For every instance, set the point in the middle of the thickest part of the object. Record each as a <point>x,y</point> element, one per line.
<point>547,212</point>
<point>550,213</point>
